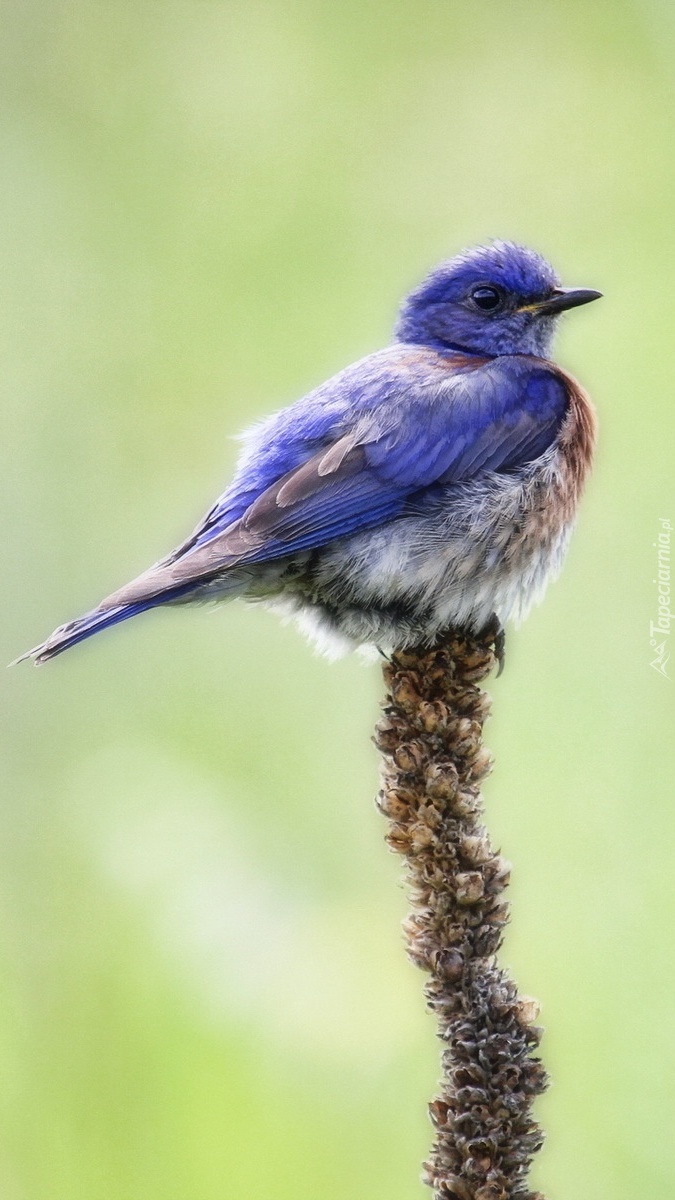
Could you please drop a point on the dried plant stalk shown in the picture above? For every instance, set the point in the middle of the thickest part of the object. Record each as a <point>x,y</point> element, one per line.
<point>433,763</point>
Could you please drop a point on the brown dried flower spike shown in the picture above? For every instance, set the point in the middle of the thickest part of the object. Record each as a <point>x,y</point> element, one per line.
<point>434,761</point>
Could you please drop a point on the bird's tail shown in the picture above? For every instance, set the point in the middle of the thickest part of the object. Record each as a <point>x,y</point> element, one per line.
<point>93,622</point>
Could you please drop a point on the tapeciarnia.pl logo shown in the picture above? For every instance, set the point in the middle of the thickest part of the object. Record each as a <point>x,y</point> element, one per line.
<point>659,630</point>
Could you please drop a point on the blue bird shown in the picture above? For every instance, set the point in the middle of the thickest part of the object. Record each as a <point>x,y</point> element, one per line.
<point>432,484</point>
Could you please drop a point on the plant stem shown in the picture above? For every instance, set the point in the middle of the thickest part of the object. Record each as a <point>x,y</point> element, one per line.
<point>434,761</point>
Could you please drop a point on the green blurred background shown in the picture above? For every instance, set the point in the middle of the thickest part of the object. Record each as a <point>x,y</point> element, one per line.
<point>206,209</point>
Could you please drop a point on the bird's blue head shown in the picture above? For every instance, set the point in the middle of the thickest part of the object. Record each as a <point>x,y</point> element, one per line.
<point>497,299</point>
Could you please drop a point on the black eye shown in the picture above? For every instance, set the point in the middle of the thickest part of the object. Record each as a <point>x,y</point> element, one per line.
<point>487,298</point>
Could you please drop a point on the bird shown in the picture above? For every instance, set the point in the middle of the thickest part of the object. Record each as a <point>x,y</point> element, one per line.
<point>432,485</point>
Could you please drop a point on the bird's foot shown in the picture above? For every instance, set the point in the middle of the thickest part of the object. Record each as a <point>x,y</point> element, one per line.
<point>494,630</point>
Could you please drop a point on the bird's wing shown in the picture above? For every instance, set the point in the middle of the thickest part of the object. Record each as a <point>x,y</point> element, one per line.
<point>497,417</point>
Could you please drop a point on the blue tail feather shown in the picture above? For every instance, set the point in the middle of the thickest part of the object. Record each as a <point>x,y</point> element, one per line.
<point>93,622</point>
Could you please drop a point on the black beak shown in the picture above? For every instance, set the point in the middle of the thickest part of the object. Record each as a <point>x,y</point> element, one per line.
<point>564,298</point>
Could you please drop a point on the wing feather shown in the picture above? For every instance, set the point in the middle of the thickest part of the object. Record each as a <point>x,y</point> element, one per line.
<point>498,417</point>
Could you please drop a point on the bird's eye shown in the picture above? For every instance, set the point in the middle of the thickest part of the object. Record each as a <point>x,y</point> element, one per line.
<point>487,298</point>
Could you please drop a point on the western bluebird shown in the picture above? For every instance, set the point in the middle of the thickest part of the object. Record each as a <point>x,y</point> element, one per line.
<point>432,484</point>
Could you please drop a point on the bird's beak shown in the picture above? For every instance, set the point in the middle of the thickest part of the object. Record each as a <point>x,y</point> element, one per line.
<point>561,299</point>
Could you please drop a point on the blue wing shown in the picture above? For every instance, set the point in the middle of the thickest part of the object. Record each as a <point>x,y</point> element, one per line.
<point>494,417</point>
<point>349,457</point>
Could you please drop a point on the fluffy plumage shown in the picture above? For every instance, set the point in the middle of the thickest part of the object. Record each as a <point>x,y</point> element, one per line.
<point>432,483</point>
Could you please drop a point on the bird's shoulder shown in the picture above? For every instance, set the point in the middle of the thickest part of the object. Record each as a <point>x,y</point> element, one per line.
<point>370,388</point>
<point>383,381</point>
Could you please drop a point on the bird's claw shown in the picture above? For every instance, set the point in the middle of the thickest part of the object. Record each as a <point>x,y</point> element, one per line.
<point>497,634</point>
<point>500,649</point>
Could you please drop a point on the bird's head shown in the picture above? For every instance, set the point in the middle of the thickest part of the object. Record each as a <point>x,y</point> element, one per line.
<point>497,299</point>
